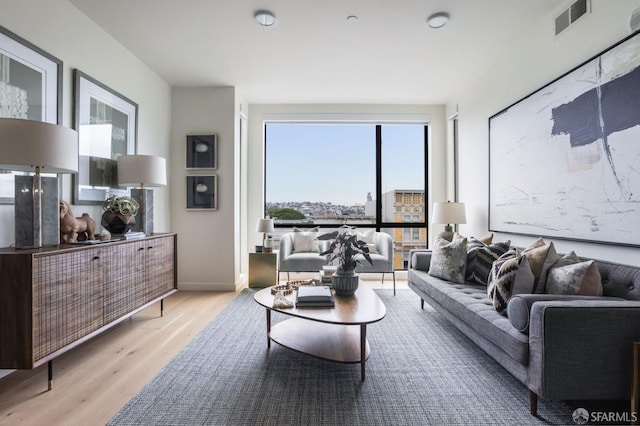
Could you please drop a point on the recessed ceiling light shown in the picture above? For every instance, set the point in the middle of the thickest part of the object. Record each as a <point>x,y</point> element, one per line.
<point>438,20</point>
<point>265,18</point>
<point>352,18</point>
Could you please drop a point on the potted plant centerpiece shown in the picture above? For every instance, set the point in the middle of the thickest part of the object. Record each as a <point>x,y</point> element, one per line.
<point>345,247</point>
<point>119,213</point>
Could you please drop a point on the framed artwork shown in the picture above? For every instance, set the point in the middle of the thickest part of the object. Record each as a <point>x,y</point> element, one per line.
<point>202,151</point>
<point>107,125</point>
<point>564,162</point>
<point>202,192</point>
<point>30,88</point>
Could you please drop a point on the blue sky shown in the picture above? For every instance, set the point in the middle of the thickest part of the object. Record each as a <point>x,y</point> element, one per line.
<point>336,162</point>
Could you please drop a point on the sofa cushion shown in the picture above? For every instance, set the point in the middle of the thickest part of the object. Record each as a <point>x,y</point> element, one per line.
<point>305,241</point>
<point>510,274</point>
<point>480,258</point>
<point>449,260</point>
<point>541,257</point>
<point>571,276</point>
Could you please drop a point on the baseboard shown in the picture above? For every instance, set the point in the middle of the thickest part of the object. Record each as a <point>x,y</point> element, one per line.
<point>185,286</point>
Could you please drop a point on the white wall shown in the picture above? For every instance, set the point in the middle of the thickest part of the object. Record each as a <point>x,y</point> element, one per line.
<point>207,239</point>
<point>532,61</point>
<point>259,113</point>
<point>60,29</point>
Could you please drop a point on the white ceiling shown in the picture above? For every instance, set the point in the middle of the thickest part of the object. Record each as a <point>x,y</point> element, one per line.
<point>313,54</point>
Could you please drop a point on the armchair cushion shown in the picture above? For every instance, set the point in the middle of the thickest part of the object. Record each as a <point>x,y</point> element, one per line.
<point>369,238</point>
<point>305,241</point>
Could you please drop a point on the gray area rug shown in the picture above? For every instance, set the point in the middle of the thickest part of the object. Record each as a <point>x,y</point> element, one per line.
<point>421,371</point>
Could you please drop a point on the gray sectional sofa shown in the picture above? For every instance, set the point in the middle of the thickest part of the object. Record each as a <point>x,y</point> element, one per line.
<point>561,347</point>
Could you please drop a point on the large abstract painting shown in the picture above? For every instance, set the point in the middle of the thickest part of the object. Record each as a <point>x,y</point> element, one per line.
<point>564,162</point>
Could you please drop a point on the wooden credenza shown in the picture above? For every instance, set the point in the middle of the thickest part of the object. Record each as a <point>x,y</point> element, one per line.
<point>53,299</point>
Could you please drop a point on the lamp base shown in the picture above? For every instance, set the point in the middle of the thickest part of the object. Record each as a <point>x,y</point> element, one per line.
<point>37,222</point>
<point>144,218</point>
<point>447,234</point>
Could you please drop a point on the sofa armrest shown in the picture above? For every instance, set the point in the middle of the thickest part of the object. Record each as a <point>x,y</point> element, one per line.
<point>586,339</point>
<point>419,259</point>
<point>519,307</point>
<point>286,247</point>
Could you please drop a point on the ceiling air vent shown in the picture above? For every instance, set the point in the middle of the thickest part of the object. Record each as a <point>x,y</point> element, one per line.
<point>571,15</point>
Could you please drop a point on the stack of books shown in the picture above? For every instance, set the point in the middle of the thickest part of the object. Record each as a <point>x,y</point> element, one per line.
<point>128,236</point>
<point>326,273</point>
<point>314,296</point>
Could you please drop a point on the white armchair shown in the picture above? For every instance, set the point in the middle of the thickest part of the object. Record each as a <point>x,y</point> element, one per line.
<point>381,252</point>
<point>302,257</point>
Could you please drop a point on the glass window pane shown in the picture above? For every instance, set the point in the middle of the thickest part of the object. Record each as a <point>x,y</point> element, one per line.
<point>324,172</point>
<point>403,170</point>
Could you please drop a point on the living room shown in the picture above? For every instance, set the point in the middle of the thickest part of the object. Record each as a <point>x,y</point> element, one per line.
<point>521,62</point>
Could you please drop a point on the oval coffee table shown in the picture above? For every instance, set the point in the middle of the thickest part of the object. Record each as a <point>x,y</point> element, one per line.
<point>335,334</point>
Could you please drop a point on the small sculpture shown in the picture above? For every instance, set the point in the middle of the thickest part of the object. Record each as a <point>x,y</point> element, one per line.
<point>72,228</point>
<point>281,302</point>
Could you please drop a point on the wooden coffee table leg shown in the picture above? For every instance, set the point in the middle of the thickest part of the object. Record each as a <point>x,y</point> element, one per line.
<point>363,348</point>
<point>268,328</point>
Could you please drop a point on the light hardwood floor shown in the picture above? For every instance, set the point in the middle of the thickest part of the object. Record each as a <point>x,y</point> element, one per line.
<point>95,380</point>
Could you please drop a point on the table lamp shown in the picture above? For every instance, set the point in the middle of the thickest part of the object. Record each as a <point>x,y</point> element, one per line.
<point>266,227</point>
<point>448,213</point>
<point>140,171</point>
<point>37,147</point>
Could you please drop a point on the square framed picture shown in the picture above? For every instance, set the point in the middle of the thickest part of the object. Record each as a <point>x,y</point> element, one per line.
<point>30,89</point>
<point>202,151</point>
<point>107,125</point>
<point>202,192</point>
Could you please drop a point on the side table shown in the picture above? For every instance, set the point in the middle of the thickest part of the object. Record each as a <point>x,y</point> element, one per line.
<point>263,269</point>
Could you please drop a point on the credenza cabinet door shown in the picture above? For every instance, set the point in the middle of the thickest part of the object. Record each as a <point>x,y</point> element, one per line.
<point>68,298</point>
<point>159,266</point>
<point>125,281</point>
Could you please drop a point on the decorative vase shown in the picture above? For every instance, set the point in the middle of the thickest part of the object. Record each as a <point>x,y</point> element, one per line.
<point>345,281</point>
<point>117,223</point>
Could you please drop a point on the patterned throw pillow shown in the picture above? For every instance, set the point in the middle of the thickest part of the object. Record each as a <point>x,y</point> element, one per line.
<point>571,276</point>
<point>449,260</point>
<point>510,274</point>
<point>541,257</point>
<point>305,241</point>
<point>480,257</point>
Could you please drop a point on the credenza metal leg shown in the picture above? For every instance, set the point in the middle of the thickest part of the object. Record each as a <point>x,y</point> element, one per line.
<point>50,375</point>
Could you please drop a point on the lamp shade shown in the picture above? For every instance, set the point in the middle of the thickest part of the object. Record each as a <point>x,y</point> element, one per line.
<point>139,170</point>
<point>265,226</point>
<point>448,213</point>
<point>27,145</point>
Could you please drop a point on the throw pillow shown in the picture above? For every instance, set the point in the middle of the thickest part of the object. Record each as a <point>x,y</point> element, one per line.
<point>305,241</point>
<point>510,275</point>
<point>480,258</point>
<point>449,260</point>
<point>487,239</point>
<point>541,257</point>
<point>571,276</point>
<point>368,237</point>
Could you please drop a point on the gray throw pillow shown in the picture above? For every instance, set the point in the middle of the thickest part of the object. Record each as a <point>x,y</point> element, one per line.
<point>449,260</point>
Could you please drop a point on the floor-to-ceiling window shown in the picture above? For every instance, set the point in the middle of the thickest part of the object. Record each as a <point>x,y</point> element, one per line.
<point>361,174</point>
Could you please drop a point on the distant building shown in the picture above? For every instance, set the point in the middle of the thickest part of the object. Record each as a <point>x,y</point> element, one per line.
<point>402,206</point>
